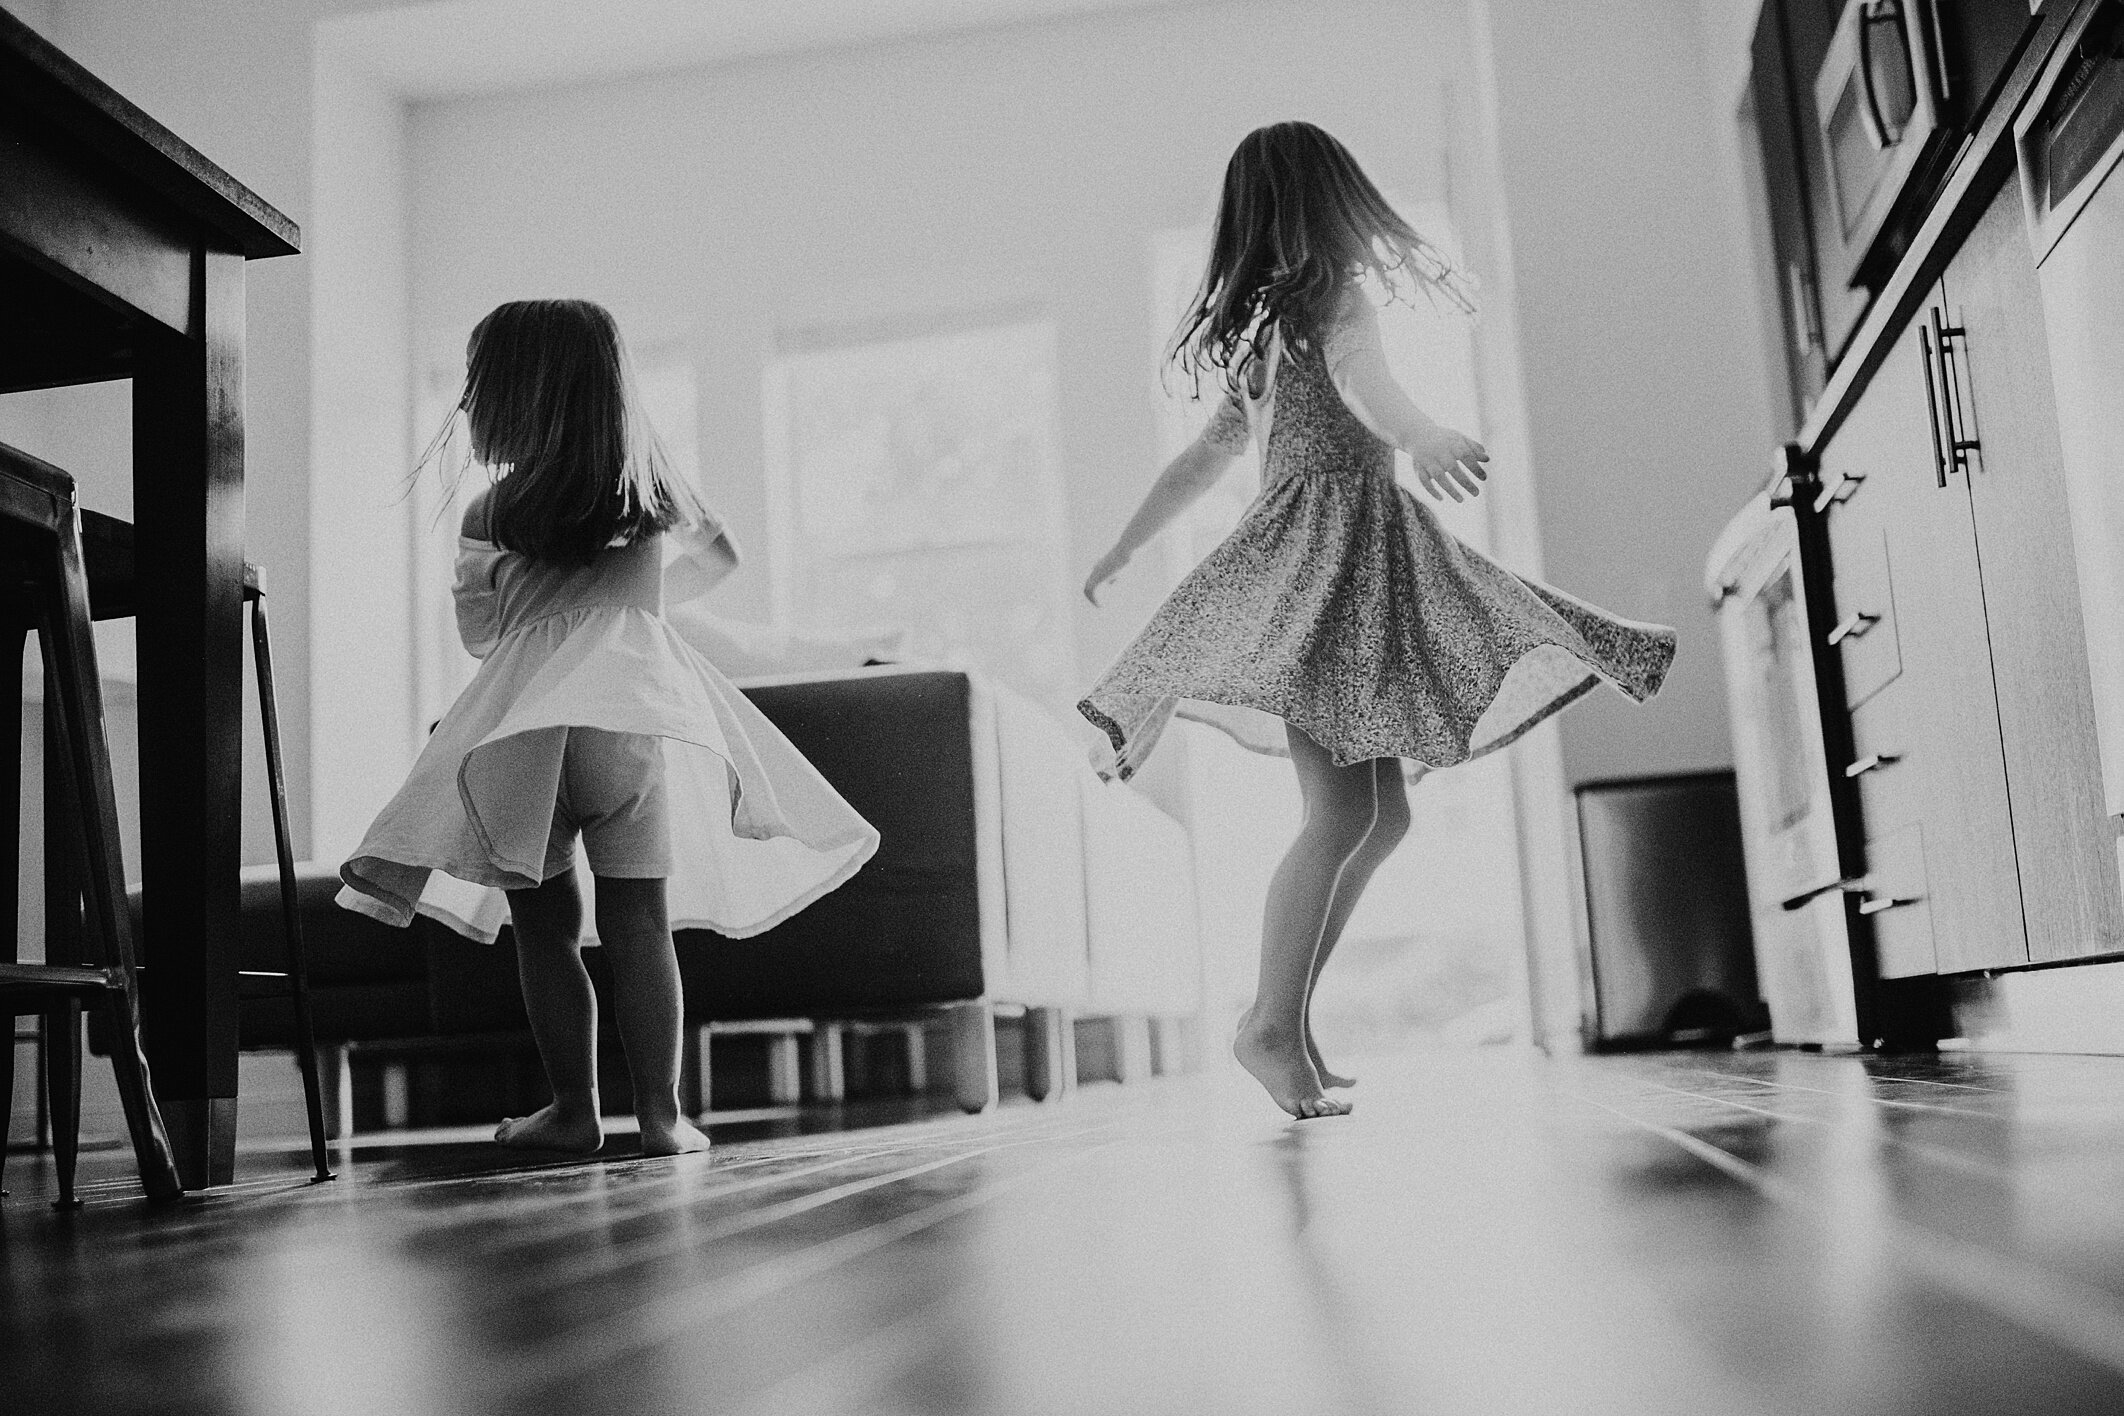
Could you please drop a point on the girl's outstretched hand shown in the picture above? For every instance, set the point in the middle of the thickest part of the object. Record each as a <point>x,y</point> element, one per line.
<point>1110,565</point>
<point>1448,463</point>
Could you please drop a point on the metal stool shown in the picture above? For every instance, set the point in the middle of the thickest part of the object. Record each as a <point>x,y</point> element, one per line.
<point>46,589</point>
<point>108,543</point>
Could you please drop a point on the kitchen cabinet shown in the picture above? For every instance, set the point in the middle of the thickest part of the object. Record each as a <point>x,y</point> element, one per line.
<point>1931,484</point>
<point>1911,628</point>
<point>1957,607</point>
<point>2064,840</point>
<point>1785,210</point>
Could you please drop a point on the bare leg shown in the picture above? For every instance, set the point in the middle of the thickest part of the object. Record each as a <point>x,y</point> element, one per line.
<point>548,923</point>
<point>1340,809</point>
<point>1390,823</point>
<point>648,998</point>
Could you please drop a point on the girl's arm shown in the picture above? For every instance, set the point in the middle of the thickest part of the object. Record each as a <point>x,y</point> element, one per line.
<point>1446,462</point>
<point>472,589</point>
<point>705,556</point>
<point>1178,487</point>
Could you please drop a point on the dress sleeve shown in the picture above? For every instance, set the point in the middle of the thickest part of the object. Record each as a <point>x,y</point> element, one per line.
<point>1227,430</point>
<point>478,608</point>
<point>697,559</point>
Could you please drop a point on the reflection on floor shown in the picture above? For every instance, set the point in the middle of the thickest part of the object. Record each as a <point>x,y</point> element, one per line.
<point>1490,1232</point>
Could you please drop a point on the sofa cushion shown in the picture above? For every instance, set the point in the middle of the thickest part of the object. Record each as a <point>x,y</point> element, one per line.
<point>907,929</point>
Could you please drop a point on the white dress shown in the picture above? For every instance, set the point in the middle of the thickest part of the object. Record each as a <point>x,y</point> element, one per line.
<point>756,833</point>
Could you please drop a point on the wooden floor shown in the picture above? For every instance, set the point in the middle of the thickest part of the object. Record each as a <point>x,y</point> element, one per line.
<point>1490,1232</point>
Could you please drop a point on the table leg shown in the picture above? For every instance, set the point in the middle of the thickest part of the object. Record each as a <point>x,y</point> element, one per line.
<point>188,517</point>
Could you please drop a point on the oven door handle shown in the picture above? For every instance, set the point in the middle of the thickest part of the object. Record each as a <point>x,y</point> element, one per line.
<point>1869,14</point>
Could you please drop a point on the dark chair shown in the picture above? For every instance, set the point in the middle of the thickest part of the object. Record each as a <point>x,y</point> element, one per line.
<point>46,588</point>
<point>108,548</point>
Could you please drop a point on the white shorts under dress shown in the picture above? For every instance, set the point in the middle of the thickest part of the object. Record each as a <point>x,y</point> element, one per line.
<point>612,798</point>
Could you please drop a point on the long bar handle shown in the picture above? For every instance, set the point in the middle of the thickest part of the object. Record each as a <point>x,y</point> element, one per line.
<point>1959,444</point>
<point>1932,406</point>
<point>1852,626</point>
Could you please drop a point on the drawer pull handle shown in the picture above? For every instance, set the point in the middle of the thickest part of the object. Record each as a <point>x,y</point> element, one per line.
<point>1877,904</point>
<point>1838,492</point>
<point>1872,762</point>
<point>1852,626</point>
<point>1850,884</point>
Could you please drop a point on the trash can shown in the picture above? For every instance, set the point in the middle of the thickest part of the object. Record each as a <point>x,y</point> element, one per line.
<point>1673,957</point>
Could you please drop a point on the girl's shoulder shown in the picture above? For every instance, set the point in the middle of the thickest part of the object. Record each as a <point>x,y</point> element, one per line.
<point>1351,307</point>
<point>1352,327</point>
<point>478,524</point>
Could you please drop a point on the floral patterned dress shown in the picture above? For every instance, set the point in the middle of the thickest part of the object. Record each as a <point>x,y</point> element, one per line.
<point>1341,606</point>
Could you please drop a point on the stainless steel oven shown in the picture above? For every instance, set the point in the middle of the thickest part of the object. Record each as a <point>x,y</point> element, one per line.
<point>1880,100</point>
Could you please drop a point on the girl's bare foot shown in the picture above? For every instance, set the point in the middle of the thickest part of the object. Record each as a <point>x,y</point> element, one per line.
<point>1312,1052</point>
<point>1327,1078</point>
<point>1285,1072</point>
<point>681,1137</point>
<point>551,1128</point>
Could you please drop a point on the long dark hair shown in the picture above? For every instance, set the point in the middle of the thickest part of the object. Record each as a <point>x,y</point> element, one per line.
<point>1297,224</point>
<point>550,402</point>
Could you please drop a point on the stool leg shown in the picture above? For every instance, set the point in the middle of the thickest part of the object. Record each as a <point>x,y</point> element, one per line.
<point>85,766</point>
<point>290,908</point>
<point>7,1097</point>
<point>13,636</point>
<point>62,939</point>
<point>62,1082</point>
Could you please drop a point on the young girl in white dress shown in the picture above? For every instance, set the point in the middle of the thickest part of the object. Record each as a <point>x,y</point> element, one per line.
<point>590,718</point>
<point>1338,605</point>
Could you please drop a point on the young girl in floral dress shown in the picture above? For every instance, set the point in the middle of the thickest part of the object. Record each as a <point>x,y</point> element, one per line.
<point>1338,605</point>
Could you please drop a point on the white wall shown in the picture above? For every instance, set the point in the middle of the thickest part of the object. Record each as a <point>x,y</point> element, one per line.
<point>719,207</point>
<point>232,78</point>
<point>1645,382</point>
<point>363,732</point>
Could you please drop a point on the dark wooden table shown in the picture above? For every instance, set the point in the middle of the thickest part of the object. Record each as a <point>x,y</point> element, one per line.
<point>122,255</point>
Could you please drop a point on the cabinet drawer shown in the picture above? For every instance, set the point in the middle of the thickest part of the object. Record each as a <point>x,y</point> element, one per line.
<point>1887,760</point>
<point>1897,899</point>
<point>1865,630</point>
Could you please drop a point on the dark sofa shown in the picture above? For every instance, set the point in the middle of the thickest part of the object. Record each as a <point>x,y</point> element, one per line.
<point>978,900</point>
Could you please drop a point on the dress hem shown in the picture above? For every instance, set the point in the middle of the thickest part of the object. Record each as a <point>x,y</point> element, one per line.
<point>357,895</point>
<point>1118,737</point>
